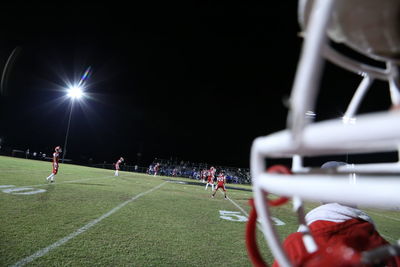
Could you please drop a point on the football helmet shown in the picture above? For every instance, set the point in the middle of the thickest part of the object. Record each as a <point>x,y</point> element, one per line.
<point>370,28</point>
<point>58,149</point>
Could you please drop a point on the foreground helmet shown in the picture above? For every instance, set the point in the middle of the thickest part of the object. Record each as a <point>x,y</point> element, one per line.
<point>58,149</point>
<point>371,28</point>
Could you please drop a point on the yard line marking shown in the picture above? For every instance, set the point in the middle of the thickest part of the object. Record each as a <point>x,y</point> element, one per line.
<point>14,170</point>
<point>81,230</point>
<point>71,181</point>
<point>388,217</point>
<point>236,205</point>
<point>244,212</point>
<point>388,237</point>
<point>385,216</point>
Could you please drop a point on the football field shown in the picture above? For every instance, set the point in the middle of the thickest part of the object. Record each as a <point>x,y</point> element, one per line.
<point>90,217</point>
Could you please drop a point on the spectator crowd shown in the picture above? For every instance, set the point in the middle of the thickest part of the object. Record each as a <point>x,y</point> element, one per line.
<point>192,170</point>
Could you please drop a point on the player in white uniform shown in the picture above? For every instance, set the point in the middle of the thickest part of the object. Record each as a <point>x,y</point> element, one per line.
<point>56,156</point>
<point>210,178</point>
<point>203,175</point>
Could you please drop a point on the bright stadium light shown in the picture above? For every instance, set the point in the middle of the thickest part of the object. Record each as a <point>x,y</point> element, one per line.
<point>73,92</point>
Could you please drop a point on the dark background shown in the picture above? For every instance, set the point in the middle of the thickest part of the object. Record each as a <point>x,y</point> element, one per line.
<point>196,80</point>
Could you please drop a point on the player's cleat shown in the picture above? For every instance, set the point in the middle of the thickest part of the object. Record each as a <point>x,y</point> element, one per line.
<point>212,196</point>
<point>226,198</point>
<point>51,181</point>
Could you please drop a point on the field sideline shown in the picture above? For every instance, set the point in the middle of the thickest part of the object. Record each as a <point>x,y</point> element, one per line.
<point>90,217</point>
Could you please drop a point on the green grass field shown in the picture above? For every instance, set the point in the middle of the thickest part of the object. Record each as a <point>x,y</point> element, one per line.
<point>90,217</point>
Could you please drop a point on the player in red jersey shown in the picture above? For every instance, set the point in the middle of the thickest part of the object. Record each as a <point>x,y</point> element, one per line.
<point>121,159</point>
<point>156,169</point>
<point>203,175</point>
<point>221,180</point>
<point>56,156</point>
<point>210,178</point>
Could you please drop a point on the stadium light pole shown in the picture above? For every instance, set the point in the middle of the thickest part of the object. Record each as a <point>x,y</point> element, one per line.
<point>74,93</point>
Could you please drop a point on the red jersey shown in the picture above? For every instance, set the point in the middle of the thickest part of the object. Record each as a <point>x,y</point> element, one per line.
<point>210,179</point>
<point>211,172</point>
<point>117,164</point>
<point>220,182</point>
<point>56,157</point>
<point>330,236</point>
<point>221,179</point>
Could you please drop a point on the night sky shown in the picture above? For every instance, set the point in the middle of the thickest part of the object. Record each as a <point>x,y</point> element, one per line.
<point>196,80</point>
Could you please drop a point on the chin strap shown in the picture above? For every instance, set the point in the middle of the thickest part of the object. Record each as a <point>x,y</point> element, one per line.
<point>251,240</point>
<point>283,170</point>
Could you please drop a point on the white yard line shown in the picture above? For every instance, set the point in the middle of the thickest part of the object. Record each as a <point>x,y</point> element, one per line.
<point>70,181</point>
<point>81,230</point>
<point>18,170</point>
<point>385,216</point>
<point>388,237</point>
<point>237,206</point>
<point>242,210</point>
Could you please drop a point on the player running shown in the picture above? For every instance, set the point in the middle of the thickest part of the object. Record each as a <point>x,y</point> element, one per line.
<point>56,157</point>
<point>221,180</point>
<point>121,159</point>
<point>210,178</point>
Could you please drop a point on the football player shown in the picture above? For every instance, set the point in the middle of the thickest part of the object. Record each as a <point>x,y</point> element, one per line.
<point>205,174</point>
<point>121,159</point>
<point>56,156</point>
<point>210,178</point>
<point>156,169</point>
<point>221,180</point>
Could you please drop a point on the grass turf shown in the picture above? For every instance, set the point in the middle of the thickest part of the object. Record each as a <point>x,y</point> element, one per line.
<point>130,220</point>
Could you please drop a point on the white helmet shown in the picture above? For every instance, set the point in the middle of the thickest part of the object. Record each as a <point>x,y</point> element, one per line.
<point>370,27</point>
